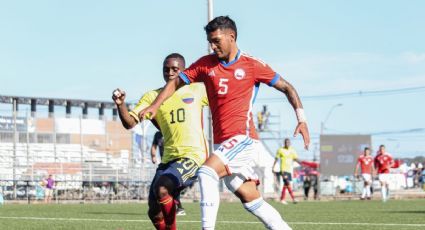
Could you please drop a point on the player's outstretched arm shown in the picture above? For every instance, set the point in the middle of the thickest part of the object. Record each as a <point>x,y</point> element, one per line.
<point>166,92</point>
<point>293,98</point>
<point>119,97</point>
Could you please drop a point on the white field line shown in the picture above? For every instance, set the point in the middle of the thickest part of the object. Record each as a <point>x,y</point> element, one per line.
<point>197,221</point>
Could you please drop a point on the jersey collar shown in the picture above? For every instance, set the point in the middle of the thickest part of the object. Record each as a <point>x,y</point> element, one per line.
<point>233,61</point>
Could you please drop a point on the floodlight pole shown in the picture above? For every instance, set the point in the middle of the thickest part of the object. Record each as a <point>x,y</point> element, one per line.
<point>209,50</point>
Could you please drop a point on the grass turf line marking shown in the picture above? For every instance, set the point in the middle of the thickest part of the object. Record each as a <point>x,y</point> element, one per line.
<point>197,221</point>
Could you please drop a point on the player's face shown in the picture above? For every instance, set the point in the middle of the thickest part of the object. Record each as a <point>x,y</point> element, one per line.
<point>287,143</point>
<point>222,42</point>
<point>367,152</point>
<point>382,149</point>
<point>171,68</point>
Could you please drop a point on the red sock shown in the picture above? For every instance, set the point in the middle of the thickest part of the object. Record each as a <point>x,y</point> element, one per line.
<point>282,196</point>
<point>290,192</point>
<point>159,224</point>
<point>168,208</point>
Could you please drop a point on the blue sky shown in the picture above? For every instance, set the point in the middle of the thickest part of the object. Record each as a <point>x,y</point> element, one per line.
<point>85,49</point>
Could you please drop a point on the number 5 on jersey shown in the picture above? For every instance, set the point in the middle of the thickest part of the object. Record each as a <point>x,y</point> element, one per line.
<point>223,86</point>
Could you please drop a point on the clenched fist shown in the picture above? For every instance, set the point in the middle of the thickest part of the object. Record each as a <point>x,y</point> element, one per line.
<point>118,96</point>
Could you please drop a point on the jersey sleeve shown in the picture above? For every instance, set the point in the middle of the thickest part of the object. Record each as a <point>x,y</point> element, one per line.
<point>265,74</point>
<point>204,96</point>
<point>144,102</point>
<point>278,156</point>
<point>196,72</point>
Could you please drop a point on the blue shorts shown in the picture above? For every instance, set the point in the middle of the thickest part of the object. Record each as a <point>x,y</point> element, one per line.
<point>287,178</point>
<point>181,171</point>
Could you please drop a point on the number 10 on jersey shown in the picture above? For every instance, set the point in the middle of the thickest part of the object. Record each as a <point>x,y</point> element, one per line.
<point>177,116</point>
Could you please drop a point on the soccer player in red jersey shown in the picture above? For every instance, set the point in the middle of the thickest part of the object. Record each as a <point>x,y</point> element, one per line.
<point>383,163</point>
<point>232,79</point>
<point>365,163</point>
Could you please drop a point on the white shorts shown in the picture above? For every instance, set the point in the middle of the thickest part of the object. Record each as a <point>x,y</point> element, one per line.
<point>384,178</point>
<point>238,155</point>
<point>48,192</point>
<point>367,177</point>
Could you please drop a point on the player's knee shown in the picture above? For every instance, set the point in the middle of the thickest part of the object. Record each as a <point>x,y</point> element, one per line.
<point>164,187</point>
<point>247,192</point>
<point>206,174</point>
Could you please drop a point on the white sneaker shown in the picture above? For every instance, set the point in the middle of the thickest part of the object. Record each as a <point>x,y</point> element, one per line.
<point>283,202</point>
<point>180,212</point>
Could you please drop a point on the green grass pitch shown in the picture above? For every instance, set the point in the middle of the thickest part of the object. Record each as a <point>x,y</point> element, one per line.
<point>326,215</point>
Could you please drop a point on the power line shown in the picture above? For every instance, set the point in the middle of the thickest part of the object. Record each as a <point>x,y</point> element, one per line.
<point>368,93</point>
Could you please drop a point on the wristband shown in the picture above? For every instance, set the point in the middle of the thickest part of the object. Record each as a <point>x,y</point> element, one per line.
<point>301,115</point>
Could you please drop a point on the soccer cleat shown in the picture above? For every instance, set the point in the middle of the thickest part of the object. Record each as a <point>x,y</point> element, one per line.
<point>295,201</point>
<point>283,202</point>
<point>181,212</point>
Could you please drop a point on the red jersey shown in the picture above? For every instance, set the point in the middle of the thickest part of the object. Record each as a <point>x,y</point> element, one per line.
<point>231,89</point>
<point>383,162</point>
<point>366,163</point>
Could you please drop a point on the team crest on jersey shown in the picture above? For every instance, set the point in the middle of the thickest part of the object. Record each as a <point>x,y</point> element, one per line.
<point>188,98</point>
<point>239,74</point>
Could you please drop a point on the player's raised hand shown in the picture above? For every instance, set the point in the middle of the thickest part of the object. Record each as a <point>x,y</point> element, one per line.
<point>118,96</point>
<point>303,130</point>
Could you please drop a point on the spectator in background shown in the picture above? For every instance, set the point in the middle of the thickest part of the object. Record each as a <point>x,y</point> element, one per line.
<point>48,191</point>
<point>287,155</point>
<point>263,118</point>
<point>158,142</point>
<point>311,179</point>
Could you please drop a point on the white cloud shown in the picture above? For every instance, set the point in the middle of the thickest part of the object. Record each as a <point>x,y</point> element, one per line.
<point>414,58</point>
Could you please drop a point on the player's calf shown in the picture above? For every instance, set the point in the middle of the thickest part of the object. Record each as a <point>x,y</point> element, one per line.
<point>210,200</point>
<point>155,214</point>
<point>254,203</point>
<point>164,187</point>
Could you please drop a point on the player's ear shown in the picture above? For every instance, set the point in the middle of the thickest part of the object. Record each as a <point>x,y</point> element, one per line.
<point>231,34</point>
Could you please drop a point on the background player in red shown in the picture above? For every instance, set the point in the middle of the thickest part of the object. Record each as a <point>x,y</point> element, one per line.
<point>365,163</point>
<point>383,163</point>
<point>232,79</point>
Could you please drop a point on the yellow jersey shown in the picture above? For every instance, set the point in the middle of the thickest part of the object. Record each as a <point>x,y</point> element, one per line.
<point>286,157</point>
<point>180,121</point>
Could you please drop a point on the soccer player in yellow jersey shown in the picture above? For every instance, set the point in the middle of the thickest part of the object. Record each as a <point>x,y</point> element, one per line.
<point>287,155</point>
<point>180,121</point>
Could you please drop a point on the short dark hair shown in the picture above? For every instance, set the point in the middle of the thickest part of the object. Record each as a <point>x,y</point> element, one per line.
<point>366,148</point>
<point>177,56</point>
<point>221,22</point>
<point>382,146</point>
